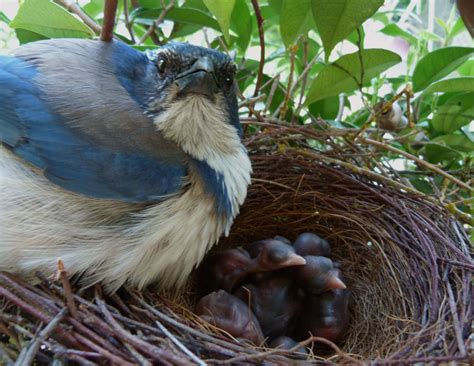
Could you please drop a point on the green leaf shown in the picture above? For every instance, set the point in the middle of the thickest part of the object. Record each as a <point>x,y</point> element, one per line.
<point>457,112</point>
<point>455,85</point>
<point>94,7</point>
<point>395,31</point>
<point>222,10</point>
<point>26,36</point>
<point>341,75</point>
<point>49,20</point>
<point>467,68</point>
<point>457,28</point>
<point>4,18</point>
<point>337,19</point>
<point>295,20</point>
<point>457,142</point>
<point>326,109</point>
<point>180,15</point>
<point>436,153</point>
<point>438,64</point>
<point>241,23</point>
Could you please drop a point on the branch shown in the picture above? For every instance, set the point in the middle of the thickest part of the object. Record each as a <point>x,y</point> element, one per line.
<point>110,9</point>
<point>76,9</point>
<point>157,22</point>
<point>61,274</point>
<point>261,35</point>
<point>27,355</point>
<point>419,161</point>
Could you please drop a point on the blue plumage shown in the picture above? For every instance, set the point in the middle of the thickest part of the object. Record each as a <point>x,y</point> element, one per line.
<point>30,127</point>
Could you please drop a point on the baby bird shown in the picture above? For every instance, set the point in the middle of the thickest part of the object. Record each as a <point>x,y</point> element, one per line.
<point>285,342</point>
<point>326,315</point>
<point>227,269</point>
<point>274,254</point>
<point>229,313</point>
<point>273,300</point>
<point>318,275</point>
<point>311,244</point>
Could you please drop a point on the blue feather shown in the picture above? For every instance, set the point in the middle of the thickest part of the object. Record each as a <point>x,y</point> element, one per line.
<point>30,127</point>
<point>215,185</point>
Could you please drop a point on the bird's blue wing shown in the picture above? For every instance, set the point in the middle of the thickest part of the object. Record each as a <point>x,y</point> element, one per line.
<point>35,131</point>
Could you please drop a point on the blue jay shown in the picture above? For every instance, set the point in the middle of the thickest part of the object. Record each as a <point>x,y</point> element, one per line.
<point>127,165</point>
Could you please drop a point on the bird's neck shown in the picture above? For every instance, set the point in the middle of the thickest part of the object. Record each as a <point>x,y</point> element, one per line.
<point>219,160</point>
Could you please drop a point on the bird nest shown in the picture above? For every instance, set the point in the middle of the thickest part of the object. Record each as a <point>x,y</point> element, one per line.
<point>405,257</point>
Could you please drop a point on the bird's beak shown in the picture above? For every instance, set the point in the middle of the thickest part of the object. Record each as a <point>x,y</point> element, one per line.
<point>198,79</point>
<point>293,260</point>
<point>335,283</point>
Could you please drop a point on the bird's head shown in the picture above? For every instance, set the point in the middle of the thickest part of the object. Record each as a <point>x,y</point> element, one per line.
<point>194,98</point>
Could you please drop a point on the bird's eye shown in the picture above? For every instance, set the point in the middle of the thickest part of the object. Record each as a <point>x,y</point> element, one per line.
<point>229,80</point>
<point>161,65</point>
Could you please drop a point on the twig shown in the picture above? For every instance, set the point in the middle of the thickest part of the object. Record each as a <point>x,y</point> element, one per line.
<point>110,8</point>
<point>141,359</point>
<point>305,79</point>
<point>284,108</point>
<point>273,88</point>
<point>261,36</point>
<point>5,358</point>
<point>300,78</point>
<point>128,25</point>
<point>180,345</point>
<point>72,6</point>
<point>419,161</point>
<point>124,335</point>
<point>62,275</point>
<point>158,21</point>
<point>27,355</point>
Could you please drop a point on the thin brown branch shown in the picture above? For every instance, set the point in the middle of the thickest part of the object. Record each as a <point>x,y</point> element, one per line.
<point>152,351</point>
<point>27,355</point>
<point>74,8</point>
<point>419,161</point>
<point>110,9</point>
<point>179,344</point>
<point>61,274</point>
<point>128,24</point>
<point>261,36</point>
<point>157,22</point>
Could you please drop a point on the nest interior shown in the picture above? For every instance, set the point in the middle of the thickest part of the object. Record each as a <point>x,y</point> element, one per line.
<point>407,262</point>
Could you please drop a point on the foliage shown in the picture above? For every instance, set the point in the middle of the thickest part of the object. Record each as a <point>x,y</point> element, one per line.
<point>317,69</point>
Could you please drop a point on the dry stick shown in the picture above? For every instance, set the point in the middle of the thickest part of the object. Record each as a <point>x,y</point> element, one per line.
<point>284,109</point>
<point>261,36</point>
<point>157,22</point>
<point>5,357</point>
<point>110,8</point>
<point>77,356</point>
<point>138,356</point>
<point>35,312</point>
<point>278,351</point>
<point>457,327</point>
<point>419,161</point>
<point>62,275</point>
<point>180,345</point>
<point>113,358</point>
<point>300,78</point>
<point>27,355</point>
<point>76,9</point>
<point>273,88</point>
<point>124,335</point>
<point>185,328</point>
<point>128,25</point>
